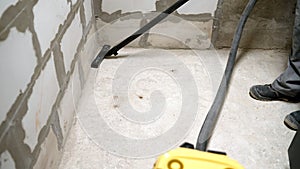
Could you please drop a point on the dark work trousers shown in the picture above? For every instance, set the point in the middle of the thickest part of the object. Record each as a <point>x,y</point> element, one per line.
<point>288,83</point>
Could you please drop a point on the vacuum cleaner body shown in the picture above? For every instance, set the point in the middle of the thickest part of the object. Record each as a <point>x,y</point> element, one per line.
<point>185,158</point>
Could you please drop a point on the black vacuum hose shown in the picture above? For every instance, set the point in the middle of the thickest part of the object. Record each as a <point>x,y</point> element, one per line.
<point>214,112</point>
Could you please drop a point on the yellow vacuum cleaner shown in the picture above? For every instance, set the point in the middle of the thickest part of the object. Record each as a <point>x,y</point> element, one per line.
<point>185,158</point>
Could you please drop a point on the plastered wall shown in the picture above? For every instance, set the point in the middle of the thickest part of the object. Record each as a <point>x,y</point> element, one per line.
<point>268,27</point>
<point>44,62</point>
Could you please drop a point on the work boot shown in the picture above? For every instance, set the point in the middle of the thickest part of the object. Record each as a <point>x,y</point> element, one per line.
<point>292,120</point>
<point>267,93</point>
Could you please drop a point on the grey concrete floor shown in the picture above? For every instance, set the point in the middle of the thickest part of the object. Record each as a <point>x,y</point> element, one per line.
<point>250,131</point>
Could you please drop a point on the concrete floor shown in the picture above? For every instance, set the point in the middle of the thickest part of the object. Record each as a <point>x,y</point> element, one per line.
<point>109,134</point>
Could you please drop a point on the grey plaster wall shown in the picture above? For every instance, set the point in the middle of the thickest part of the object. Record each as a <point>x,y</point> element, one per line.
<point>269,26</point>
<point>44,63</point>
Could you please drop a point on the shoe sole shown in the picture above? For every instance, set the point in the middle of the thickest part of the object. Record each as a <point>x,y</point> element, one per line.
<point>291,123</point>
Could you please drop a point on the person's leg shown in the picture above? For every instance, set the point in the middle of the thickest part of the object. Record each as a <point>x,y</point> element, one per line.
<point>287,86</point>
<point>288,82</point>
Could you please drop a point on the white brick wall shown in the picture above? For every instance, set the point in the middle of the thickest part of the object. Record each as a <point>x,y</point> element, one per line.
<point>4,4</point>
<point>48,15</point>
<point>76,85</point>
<point>113,33</point>
<point>16,67</point>
<point>20,66</point>
<point>192,34</point>
<point>88,10</point>
<point>191,7</point>
<point>196,7</point>
<point>74,1</point>
<point>49,153</point>
<point>6,161</point>
<point>89,52</point>
<point>40,103</point>
<point>66,110</point>
<point>111,6</point>
<point>70,41</point>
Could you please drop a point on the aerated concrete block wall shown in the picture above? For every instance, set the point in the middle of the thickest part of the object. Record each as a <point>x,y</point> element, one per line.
<point>44,63</point>
<point>188,27</point>
<point>199,23</point>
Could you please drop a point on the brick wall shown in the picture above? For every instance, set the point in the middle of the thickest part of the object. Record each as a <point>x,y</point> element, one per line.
<point>44,62</point>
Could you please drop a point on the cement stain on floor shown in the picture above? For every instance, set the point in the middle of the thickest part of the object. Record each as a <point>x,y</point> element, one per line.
<point>250,131</point>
